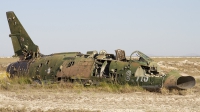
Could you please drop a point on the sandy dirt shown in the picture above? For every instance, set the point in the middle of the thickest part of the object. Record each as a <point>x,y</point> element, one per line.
<point>101,101</point>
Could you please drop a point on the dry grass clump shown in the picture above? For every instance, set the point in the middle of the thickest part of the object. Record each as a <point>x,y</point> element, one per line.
<point>102,86</point>
<point>23,82</point>
<point>15,83</point>
<point>4,85</point>
<point>26,83</point>
<point>110,87</point>
<point>166,91</point>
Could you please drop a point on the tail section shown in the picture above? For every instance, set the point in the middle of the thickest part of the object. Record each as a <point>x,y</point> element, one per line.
<point>22,44</point>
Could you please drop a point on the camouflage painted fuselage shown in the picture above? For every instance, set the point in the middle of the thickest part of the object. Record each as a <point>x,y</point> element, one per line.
<point>90,67</point>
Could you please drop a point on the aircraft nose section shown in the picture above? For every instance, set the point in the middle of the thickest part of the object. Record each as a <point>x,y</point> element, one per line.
<point>177,80</point>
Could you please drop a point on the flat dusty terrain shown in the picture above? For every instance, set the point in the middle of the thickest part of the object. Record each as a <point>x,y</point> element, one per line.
<point>98,101</point>
<point>73,100</point>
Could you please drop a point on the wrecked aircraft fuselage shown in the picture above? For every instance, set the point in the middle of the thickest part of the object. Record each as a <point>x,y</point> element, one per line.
<point>89,68</point>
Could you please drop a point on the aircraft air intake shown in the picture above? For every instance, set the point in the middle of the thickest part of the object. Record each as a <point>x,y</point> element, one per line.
<point>185,82</point>
<point>177,80</point>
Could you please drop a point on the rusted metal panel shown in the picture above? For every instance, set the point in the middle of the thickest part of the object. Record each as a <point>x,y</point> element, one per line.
<point>170,81</point>
<point>79,69</point>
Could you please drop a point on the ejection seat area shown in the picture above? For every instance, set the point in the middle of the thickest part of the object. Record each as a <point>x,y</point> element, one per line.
<point>103,55</point>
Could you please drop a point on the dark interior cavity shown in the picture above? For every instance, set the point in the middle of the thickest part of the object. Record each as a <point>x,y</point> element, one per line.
<point>185,82</point>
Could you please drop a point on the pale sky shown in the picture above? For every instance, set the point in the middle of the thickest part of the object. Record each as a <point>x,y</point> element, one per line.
<point>154,27</point>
